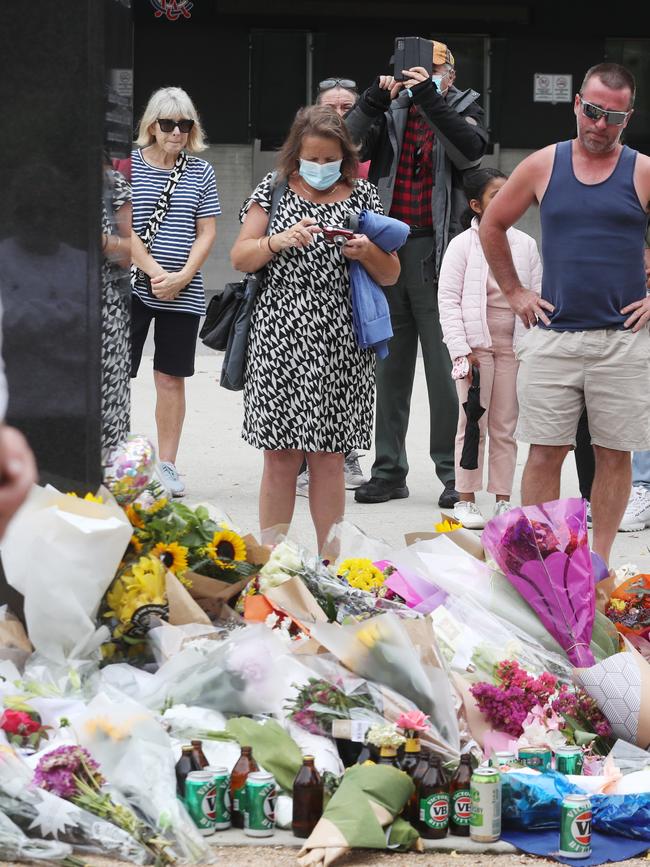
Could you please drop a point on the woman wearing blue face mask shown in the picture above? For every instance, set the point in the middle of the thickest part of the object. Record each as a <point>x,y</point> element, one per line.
<point>309,389</point>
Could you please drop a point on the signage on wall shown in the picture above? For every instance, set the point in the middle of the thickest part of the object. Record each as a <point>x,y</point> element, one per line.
<point>553,88</point>
<point>172,10</point>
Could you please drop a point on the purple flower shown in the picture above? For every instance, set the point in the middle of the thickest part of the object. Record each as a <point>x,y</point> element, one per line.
<point>59,771</point>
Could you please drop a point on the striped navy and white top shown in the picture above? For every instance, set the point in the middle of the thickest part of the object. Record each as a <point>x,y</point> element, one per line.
<point>195,196</point>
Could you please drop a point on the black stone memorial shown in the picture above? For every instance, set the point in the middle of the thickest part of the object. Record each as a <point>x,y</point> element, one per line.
<point>66,96</point>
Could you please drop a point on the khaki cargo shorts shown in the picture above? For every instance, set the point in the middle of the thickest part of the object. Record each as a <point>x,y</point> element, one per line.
<point>606,370</point>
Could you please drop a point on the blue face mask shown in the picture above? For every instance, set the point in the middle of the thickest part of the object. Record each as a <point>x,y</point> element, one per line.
<point>318,176</point>
<point>437,80</point>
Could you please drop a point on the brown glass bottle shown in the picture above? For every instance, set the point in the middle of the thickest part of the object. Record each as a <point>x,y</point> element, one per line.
<point>414,802</point>
<point>198,755</point>
<point>184,766</point>
<point>412,756</point>
<point>460,803</point>
<point>307,799</point>
<point>433,799</point>
<point>388,756</point>
<point>244,766</point>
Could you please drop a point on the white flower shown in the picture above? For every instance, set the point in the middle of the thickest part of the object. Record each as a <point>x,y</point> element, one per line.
<point>537,735</point>
<point>286,557</point>
<point>272,620</point>
<point>271,579</point>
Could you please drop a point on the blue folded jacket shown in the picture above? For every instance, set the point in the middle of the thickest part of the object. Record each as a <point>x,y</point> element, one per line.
<point>370,312</point>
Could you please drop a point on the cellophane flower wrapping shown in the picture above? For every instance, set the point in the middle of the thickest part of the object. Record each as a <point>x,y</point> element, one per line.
<point>17,846</point>
<point>136,758</point>
<point>43,814</point>
<point>544,553</point>
<point>401,655</point>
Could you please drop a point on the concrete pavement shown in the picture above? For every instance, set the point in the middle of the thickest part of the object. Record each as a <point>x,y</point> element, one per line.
<point>220,468</point>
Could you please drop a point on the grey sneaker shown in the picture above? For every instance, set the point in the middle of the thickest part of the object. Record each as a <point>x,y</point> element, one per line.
<point>637,513</point>
<point>302,484</point>
<point>354,478</point>
<point>171,479</point>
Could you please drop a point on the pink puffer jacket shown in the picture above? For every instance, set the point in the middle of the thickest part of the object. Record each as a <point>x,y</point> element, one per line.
<point>462,288</point>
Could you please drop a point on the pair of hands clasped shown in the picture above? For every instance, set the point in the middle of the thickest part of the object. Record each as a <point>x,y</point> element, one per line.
<point>302,233</point>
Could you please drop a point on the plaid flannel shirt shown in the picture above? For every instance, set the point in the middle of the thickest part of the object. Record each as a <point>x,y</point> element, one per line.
<point>414,180</point>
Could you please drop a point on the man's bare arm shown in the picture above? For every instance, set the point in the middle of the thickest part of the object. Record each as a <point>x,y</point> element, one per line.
<point>525,186</point>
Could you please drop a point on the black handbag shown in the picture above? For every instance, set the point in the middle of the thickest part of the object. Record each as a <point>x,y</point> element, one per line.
<point>234,361</point>
<point>220,315</point>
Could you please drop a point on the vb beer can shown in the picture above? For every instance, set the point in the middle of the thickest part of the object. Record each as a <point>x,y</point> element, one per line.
<point>575,827</point>
<point>536,757</point>
<point>200,795</point>
<point>485,792</point>
<point>568,760</point>
<point>259,818</point>
<point>222,797</point>
<point>503,758</point>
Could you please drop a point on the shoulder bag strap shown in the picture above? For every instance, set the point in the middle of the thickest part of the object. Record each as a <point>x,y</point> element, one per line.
<point>277,191</point>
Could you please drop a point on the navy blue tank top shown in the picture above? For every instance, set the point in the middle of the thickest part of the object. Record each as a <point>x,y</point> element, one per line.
<point>593,238</point>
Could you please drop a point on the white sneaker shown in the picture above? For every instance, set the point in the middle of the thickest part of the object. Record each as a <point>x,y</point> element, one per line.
<point>302,484</point>
<point>469,515</point>
<point>354,478</point>
<point>171,479</point>
<point>637,512</point>
<point>501,507</point>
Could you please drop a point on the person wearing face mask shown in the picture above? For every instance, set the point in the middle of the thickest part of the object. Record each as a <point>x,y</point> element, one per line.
<point>420,134</point>
<point>308,387</point>
<point>588,343</point>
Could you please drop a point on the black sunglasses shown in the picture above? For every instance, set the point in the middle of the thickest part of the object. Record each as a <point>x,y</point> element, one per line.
<point>167,124</point>
<point>595,112</point>
<point>345,83</point>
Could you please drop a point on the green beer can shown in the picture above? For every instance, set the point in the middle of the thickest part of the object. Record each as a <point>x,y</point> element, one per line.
<point>485,818</point>
<point>222,797</point>
<point>536,757</point>
<point>200,795</point>
<point>575,827</point>
<point>568,760</point>
<point>259,818</point>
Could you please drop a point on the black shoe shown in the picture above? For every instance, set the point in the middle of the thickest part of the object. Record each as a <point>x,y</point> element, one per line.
<point>449,496</point>
<point>380,491</point>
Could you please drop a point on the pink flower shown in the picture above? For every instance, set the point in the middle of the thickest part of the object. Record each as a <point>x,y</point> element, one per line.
<point>414,721</point>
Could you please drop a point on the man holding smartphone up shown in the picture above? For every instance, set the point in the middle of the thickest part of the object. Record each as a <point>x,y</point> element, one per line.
<point>420,133</point>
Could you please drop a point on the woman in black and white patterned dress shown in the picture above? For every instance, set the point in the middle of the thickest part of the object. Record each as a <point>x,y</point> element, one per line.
<point>309,389</point>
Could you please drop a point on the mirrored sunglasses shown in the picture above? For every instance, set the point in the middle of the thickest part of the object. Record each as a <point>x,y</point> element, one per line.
<point>594,112</point>
<point>329,83</point>
<point>167,124</point>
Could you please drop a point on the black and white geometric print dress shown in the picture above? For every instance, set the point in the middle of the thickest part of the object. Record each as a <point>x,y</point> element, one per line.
<point>116,324</point>
<point>308,386</point>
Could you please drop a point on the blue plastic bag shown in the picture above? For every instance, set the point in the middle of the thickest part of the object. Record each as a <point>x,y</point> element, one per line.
<point>533,801</point>
<point>627,815</point>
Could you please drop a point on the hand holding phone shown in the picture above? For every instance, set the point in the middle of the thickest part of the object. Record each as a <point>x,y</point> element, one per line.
<point>411,52</point>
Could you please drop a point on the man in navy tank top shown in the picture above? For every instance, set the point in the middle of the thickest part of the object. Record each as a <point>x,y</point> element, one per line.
<point>588,338</point>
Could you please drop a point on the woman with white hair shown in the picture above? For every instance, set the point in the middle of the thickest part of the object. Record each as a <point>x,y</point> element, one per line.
<point>175,202</point>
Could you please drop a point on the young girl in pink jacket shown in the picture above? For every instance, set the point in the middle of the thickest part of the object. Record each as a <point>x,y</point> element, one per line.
<point>481,330</point>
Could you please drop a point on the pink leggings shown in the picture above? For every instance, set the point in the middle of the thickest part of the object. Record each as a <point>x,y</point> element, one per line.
<point>498,367</point>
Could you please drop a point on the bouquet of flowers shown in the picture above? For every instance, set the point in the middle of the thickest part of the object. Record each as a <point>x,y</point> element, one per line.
<point>385,735</point>
<point>361,573</point>
<point>629,606</point>
<point>584,724</point>
<point>71,773</point>
<point>318,703</point>
<point>186,539</point>
<point>544,553</point>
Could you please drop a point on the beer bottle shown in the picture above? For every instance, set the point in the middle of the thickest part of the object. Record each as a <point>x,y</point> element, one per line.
<point>244,766</point>
<point>412,755</point>
<point>183,767</point>
<point>413,814</point>
<point>307,799</point>
<point>434,801</point>
<point>199,756</point>
<point>388,756</point>
<point>460,806</point>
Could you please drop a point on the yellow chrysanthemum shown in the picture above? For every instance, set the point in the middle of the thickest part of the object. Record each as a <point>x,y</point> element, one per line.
<point>617,604</point>
<point>157,506</point>
<point>134,517</point>
<point>136,544</point>
<point>361,573</point>
<point>226,546</point>
<point>172,555</point>
<point>142,584</point>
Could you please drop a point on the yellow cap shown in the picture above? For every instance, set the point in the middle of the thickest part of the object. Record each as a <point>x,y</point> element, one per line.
<point>442,54</point>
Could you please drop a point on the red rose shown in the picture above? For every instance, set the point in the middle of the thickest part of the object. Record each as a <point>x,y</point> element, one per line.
<point>17,722</point>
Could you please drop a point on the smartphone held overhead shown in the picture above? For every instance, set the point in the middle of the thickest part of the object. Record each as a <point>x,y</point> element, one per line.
<point>411,51</point>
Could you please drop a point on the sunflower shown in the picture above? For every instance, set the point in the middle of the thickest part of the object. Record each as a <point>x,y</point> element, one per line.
<point>136,544</point>
<point>133,514</point>
<point>157,506</point>
<point>226,547</point>
<point>172,555</point>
